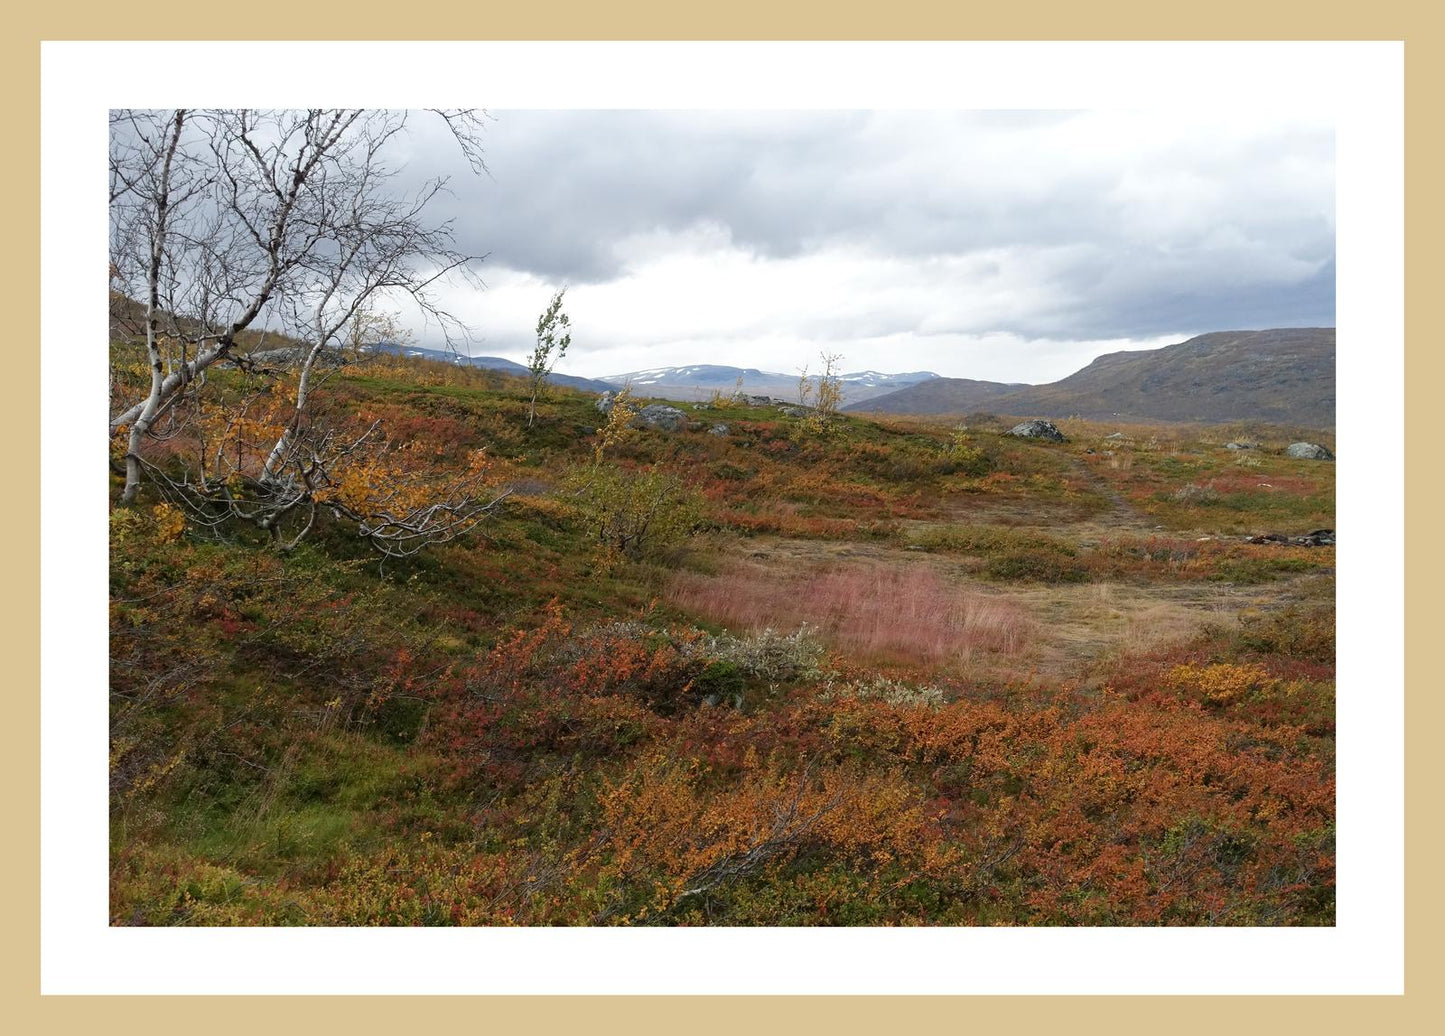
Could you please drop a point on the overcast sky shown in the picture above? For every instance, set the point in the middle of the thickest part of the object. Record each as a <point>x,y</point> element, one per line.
<point>1008,246</point>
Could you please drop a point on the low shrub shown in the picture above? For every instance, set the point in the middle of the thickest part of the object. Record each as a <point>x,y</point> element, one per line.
<point>1036,565</point>
<point>1259,570</point>
<point>631,512</point>
<point>1195,494</point>
<point>1298,632</point>
<point>890,692</point>
<point>1222,683</point>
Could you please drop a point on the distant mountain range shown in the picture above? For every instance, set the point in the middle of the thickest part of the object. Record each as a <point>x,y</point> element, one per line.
<point>1281,376</point>
<point>702,380</point>
<point>495,363</point>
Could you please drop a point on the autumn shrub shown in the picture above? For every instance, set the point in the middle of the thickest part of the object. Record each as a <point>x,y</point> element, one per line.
<point>652,666</point>
<point>186,616</point>
<point>633,513</point>
<point>1012,554</point>
<point>1042,566</point>
<point>963,454</point>
<point>784,518</point>
<point>1158,549</point>
<point>903,460</point>
<point>729,471</point>
<point>1259,569</point>
<point>1298,632</point>
<point>988,539</point>
<point>675,841</point>
<point>1222,683</point>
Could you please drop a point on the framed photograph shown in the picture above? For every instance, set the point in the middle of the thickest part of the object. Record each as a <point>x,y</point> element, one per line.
<point>585,518</point>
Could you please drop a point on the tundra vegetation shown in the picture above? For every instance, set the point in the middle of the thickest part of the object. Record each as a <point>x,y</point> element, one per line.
<point>897,673</point>
<point>402,642</point>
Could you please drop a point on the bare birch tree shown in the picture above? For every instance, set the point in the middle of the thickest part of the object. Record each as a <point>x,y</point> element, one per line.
<point>154,182</point>
<point>284,223</point>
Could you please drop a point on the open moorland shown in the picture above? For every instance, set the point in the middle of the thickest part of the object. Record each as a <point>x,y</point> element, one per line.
<point>755,668</point>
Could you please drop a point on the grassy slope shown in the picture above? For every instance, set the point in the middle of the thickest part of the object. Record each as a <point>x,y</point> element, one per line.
<point>1040,684</point>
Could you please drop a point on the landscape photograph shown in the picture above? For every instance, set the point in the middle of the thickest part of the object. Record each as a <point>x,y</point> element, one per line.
<point>744,518</point>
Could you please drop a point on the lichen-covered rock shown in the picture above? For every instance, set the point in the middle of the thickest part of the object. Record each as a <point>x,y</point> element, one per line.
<point>1241,445</point>
<point>792,411</point>
<point>1038,430</point>
<point>664,417</point>
<point>1308,451</point>
<point>718,429</point>
<point>604,403</point>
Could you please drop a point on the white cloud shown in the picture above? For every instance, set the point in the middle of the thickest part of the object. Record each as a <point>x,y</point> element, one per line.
<point>695,297</point>
<point>981,244</point>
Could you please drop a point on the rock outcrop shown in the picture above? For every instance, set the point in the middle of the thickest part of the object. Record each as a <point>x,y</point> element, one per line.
<point>1038,430</point>
<point>664,417</point>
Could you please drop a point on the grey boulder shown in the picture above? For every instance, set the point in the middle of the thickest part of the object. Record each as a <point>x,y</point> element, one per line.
<point>1038,430</point>
<point>1308,451</point>
<point>660,415</point>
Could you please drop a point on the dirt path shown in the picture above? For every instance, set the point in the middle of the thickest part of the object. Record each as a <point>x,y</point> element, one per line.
<point>1121,514</point>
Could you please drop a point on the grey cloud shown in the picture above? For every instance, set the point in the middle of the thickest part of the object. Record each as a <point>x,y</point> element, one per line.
<point>1165,227</point>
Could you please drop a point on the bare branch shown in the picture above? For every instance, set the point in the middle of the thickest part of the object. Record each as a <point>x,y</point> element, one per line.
<point>240,222</point>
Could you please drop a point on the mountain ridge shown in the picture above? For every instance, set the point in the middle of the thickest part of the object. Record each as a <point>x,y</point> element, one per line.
<point>496,363</point>
<point>1277,375</point>
<point>699,381</point>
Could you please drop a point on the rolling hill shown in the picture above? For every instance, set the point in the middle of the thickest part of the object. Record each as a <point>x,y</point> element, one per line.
<point>1281,376</point>
<point>496,363</point>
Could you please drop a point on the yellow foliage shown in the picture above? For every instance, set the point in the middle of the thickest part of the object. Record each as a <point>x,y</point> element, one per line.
<point>170,522</point>
<point>619,423</point>
<point>389,481</point>
<point>1221,683</point>
<point>124,523</point>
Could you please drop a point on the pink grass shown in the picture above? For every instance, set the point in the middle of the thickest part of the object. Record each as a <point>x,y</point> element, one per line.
<point>905,611</point>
